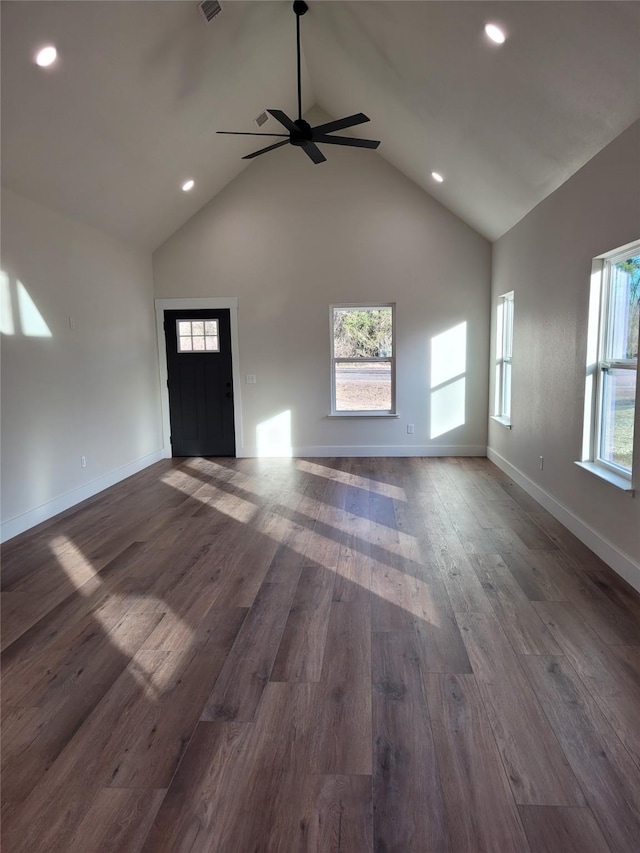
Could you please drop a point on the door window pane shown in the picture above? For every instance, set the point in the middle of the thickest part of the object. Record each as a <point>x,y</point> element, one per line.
<point>198,336</point>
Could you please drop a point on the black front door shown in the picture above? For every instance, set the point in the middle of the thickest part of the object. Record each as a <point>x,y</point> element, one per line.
<point>200,382</point>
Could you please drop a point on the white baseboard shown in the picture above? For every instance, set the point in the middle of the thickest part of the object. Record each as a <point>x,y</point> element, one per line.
<point>27,520</point>
<point>378,450</point>
<point>620,562</point>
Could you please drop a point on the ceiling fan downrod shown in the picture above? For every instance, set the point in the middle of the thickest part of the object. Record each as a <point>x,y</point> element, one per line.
<point>300,8</point>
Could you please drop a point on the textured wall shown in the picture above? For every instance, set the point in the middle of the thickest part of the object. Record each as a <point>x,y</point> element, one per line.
<point>546,260</point>
<point>289,238</point>
<point>88,391</point>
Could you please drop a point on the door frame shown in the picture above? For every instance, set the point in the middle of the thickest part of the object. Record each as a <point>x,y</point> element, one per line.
<point>229,303</point>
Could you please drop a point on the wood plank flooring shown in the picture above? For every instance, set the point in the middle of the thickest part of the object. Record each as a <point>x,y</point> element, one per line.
<point>297,655</point>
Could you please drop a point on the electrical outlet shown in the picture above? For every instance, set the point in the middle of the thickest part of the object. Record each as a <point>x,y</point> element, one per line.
<point>251,379</point>
<point>83,461</point>
<point>409,429</point>
<point>541,463</point>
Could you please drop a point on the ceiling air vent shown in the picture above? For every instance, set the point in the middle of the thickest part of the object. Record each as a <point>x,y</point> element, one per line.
<point>209,9</point>
<point>262,118</point>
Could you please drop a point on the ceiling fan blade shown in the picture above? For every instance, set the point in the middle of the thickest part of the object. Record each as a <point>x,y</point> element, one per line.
<point>284,119</point>
<point>346,140</point>
<point>342,123</point>
<point>313,152</point>
<point>243,133</point>
<point>264,150</point>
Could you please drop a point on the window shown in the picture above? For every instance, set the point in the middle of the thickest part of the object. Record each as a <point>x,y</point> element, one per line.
<point>612,366</point>
<point>504,353</point>
<point>363,359</point>
<point>198,336</point>
<point>617,364</point>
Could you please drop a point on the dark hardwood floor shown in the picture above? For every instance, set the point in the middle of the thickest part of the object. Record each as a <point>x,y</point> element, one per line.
<point>349,655</point>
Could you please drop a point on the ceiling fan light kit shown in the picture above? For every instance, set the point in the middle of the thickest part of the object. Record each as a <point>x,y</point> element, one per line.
<point>300,133</point>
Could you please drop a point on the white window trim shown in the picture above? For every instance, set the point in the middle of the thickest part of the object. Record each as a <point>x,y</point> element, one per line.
<point>622,483</point>
<point>364,413</point>
<point>596,365</point>
<point>504,333</point>
<point>500,419</point>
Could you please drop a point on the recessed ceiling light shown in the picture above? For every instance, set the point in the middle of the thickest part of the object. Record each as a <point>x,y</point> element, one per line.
<point>46,56</point>
<point>495,33</point>
<point>188,185</point>
<point>437,177</point>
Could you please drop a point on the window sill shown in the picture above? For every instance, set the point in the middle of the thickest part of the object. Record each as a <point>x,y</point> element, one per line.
<point>609,476</point>
<point>500,419</point>
<point>362,415</point>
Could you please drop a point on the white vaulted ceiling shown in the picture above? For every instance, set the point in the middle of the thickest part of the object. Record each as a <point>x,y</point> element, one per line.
<point>130,110</point>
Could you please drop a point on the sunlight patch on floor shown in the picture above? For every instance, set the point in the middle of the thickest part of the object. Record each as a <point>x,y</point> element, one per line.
<point>401,544</point>
<point>364,483</point>
<point>154,681</point>
<point>325,527</point>
<point>298,521</point>
<point>76,567</point>
<point>210,495</point>
<point>405,591</point>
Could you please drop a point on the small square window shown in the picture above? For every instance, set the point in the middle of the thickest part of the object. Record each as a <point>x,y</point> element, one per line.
<point>198,336</point>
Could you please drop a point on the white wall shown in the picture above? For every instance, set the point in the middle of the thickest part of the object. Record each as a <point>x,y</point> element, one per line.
<point>92,390</point>
<point>288,238</point>
<point>546,260</point>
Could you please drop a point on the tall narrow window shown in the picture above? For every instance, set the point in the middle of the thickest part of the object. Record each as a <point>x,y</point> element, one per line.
<point>617,365</point>
<point>504,354</point>
<point>363,359</point>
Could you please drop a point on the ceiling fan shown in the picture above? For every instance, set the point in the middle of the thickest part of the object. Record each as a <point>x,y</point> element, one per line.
<point>300,132</point>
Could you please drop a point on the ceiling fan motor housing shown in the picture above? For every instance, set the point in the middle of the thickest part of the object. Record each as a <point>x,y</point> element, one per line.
<point>303,134</point>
